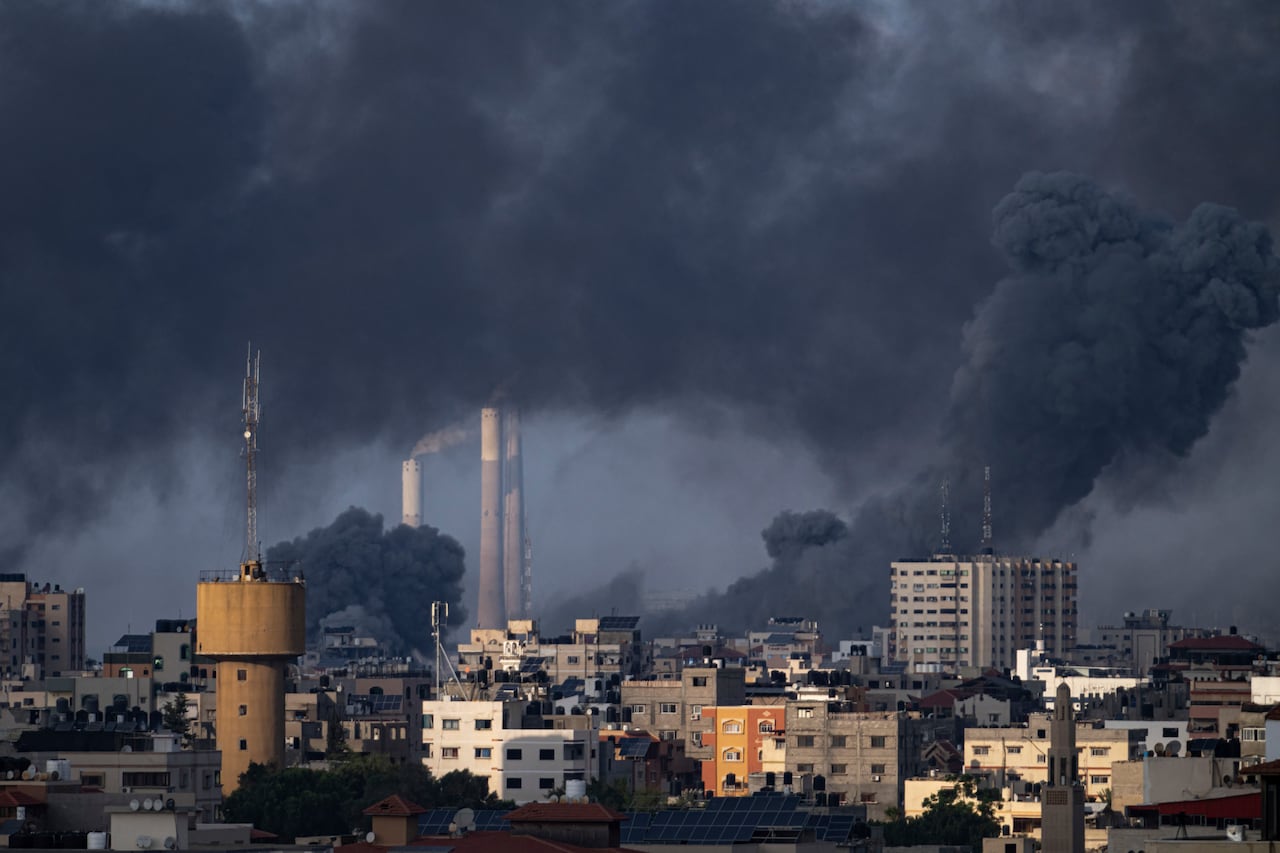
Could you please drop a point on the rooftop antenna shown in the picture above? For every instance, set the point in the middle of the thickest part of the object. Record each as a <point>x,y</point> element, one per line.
<point>946,517</point>
<point>252,414</point>
<point>987,544</point>
<point>439,619</point>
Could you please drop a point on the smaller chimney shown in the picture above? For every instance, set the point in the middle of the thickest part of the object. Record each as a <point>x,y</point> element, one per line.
<point>411,492</point>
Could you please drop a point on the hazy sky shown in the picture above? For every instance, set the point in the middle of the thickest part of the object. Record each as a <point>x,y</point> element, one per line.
<point>732,259</point>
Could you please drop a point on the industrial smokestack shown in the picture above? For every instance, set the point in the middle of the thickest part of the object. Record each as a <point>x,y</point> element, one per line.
<point>513,516</point>
<point>491,608</point>
<point>411,493</point>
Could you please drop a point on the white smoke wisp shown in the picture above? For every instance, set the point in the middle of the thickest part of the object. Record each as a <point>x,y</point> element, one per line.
<point>443,439</point>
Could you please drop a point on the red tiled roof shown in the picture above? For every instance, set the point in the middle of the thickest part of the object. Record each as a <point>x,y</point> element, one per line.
<point>1236,807</point>
<point>394,806</point>
<point>564,813</point>
<point>1229,642</point>
<point>945,698</point>
<point>256,834</point>
<point>10,799</point>
<point>1267,768</point>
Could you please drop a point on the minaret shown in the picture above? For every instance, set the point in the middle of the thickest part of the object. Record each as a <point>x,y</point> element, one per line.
<point>1062,797</point>
<point>491,608</point>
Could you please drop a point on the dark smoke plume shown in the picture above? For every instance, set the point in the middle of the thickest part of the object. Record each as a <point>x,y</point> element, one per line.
<point>382,581</point>
<point>1117,332</point>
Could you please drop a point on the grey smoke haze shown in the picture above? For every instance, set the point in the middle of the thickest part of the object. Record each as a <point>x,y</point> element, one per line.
<point>776,210</point>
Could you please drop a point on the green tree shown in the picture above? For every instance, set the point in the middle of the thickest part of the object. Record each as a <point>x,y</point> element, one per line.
<point>957,815</point>
<point>175,719</point>
<point>299,801</point>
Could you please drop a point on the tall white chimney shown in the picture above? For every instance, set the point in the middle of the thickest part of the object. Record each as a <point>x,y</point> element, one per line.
<point>411,492</point>
<point>491,611</point>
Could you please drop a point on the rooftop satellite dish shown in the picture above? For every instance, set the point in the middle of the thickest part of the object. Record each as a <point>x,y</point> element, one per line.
<point>126,748</point>
<point>8,774</point>
<point>465,819</point>
<point>369,836</point>
<point>1172,748</point>
<point>134,804</point>
<point>29,773</point>
<point>170,842</point>
<point>146,804</point>
<point>144,842</point>
<point>158,805</point>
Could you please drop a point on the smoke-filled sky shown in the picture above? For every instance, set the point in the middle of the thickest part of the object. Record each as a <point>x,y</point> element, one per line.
<point>732,258</point>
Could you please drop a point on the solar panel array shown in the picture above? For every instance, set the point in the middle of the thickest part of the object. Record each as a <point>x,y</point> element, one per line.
<point>725,820</point>
<point>619,623</point>
<point>376,703</point>
<point>633,747</point>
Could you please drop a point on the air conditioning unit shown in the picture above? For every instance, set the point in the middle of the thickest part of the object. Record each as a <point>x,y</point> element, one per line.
<point>1235,832</point>
<point>875,778</point>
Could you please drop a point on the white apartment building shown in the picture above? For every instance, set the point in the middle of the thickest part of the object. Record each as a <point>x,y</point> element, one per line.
<point>490,740</point>
<point>950,612</point>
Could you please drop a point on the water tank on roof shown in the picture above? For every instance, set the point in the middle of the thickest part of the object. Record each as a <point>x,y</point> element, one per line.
<point>575,789</point>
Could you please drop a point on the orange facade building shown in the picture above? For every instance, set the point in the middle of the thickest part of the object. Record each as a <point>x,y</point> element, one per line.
<point>743,739</point>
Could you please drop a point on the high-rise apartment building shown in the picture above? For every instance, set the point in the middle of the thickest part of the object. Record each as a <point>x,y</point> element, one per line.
<point>40,625</point>
<point>950,612</point>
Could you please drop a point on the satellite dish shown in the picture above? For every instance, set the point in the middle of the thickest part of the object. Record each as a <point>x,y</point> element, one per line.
<point>134,804</point>
<point>8,774</point>
<point>1172,748</point>
<point>1228,779</point>
<point>157,805</point>
<point>1160,750</point>
<point>146,804</point>
<point>55,776</point>
<point>126,748</point>
<point>170,842</point>
<point>369,836</point>
<point>465,819</point>
<point>144,842</point>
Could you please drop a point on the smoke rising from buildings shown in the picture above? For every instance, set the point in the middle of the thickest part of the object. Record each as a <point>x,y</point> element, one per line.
<point>442,439</point>
<point>776,209</point>
<point>380,580</point>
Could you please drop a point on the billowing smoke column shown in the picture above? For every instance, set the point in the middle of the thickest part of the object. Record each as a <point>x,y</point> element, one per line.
<point>516,583</point>
<point>1116,338</point>
<point>377,579</point>
<point>491,600</point>
<point>411,492</point>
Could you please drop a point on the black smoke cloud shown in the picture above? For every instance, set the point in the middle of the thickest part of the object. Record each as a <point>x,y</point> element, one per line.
<point>778,209</point>
<point>380,581</point>
<point>1118,333</point>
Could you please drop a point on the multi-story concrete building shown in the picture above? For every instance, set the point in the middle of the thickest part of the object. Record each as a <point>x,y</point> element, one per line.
<point>953,612</point>
<point>1137,643</point>
<point>1018,756</point>
<point>861,757</point>
<point>40,626</point>
<point>739,738</point>
<point>673,709</point>
<point>524,759</point>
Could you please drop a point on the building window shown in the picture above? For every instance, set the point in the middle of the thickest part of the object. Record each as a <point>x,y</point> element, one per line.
<point>804,768</point>
<point>448,752</point>
<point>546,783</point>
<point>804,741</point>
<point>145,780</point>
<point>804,713</point>
<point>877,741</point>
<point>839,769</point>
<point>450,725</point>
<point>1099,780</point>
<point>668,734</point>
<point>699,681</point>
<point>1100,750</point>
<point>244,745</point>
<point>515,754</point>
<point>766,726</point>
<point>639,709</point>
<point>241,675</point>
<point>1040,759</point>
<point>513,782</point>
<point>1014,750</point>
<point>667,708</point>
<point>1170,732</point>
<point>546,755</point>
<point>428,721</point>
<point>732,755</point>
<point>695,712</point>
<point>574,659</point>
<point>839,741</point>
<point>697,738</point>
<point>878,769</point>
<point>732,727</point>
<point>484,725</point>
<point>244,710</point>
<point>484,752</point>
<point>981,750</point>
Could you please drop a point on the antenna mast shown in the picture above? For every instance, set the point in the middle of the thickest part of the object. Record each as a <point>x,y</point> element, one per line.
<point>946,517</point>
<point>252,413</point>
<point>987,544</point>
<point>439,619</point>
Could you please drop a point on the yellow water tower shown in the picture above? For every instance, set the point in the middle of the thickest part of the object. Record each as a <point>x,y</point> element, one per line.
<point>253,624</point>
